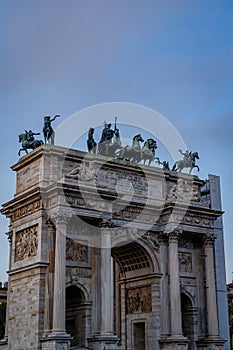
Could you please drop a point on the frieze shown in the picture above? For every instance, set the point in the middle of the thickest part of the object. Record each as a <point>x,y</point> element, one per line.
<point>198,220</point>
<point>186,281</point>
<point>26,243</point>
<point>89,201</point>
<point>124,234</point>
<point>133,213</point>
<point>76,251</point>
<point>139,300</point>
<point>75,273</point>
<point>184,190</point>
<point>27,210</point>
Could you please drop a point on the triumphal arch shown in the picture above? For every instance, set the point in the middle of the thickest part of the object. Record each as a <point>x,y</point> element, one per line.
<point>109,254</point>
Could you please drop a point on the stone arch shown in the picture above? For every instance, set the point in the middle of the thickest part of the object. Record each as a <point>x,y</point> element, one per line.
<point>153,256</point>
<point>189,318</point>
<point>82,286</point>
<point>136,290</point>
<point>135,256</point>
<point>78,313</point>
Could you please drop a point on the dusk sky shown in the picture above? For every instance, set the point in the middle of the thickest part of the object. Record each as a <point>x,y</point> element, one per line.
<point>175,57</point>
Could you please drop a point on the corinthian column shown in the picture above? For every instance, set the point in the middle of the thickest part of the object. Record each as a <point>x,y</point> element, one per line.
<point>59,277</point>
<point>106,322</point>
<point>58,338</point>
<point>165,316</point>
<point>176,319</point>
<point>49,283</point>
<point>212,315</point>
<point>105,339</point>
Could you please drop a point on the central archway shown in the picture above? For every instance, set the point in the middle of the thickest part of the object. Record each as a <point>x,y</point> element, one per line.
<point>136,295</point>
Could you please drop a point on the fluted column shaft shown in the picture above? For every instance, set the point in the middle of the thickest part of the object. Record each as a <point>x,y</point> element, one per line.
<point>175,300</point>
<point>59,277</point>
<point>49,287</point>
<point>165,317</point>
<point>106,322</point>
<point>212,315</point>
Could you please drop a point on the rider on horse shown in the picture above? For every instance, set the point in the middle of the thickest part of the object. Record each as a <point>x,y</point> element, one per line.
<point>30,136</point>
<point>186,154</point>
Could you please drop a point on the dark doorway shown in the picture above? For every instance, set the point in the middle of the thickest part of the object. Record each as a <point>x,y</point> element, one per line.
<point>188,315</point>
<point>76,315</point>
<point>139,336</point>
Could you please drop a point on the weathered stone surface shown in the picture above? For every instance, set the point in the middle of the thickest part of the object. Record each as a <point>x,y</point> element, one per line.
<point>70,214</point>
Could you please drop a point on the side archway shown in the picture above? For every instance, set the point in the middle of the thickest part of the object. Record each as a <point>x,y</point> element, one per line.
<point>78,315</point>
<point>189,319</point>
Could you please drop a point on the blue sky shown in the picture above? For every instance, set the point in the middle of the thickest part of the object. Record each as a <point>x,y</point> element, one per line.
<point>176,57</point>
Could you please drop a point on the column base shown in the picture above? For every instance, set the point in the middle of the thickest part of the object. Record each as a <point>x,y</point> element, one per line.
<point>4,343</point>
<point>211,343</point>
<point>103,341</point>
<point>55,341</point>
<point>174,343</point>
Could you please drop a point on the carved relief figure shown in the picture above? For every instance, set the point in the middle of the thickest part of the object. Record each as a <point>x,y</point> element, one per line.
<point>76,251</point>
<point>139,300</point>
<point>26,243</point>
<point>185,260</point>
<point>184,190</point>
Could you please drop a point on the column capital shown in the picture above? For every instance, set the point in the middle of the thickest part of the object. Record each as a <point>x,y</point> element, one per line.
<point>173,235</point>
<point>9,236</point>
<point>59,219</point>
<point>106,223</point>
<point>50,223</point>
<point>208,239</point>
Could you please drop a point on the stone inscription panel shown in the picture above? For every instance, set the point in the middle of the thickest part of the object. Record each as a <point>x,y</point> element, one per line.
<point>26,243</point>
<point>137,184</point>
<point>139,300</point>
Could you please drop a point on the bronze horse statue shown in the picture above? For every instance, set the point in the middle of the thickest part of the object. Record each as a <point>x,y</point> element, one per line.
<point>148,151</point>
<point>132,153</point>
<point>26,144</point>
<point>187,162</point>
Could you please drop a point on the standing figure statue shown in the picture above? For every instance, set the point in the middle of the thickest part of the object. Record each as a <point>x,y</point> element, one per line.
<point>91,144</point>
<point>48,130</point>
<point>106,139</point>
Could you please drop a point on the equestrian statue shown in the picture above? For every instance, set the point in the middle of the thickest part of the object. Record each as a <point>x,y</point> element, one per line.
<point>28,141</point>
<point>188,161</point>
